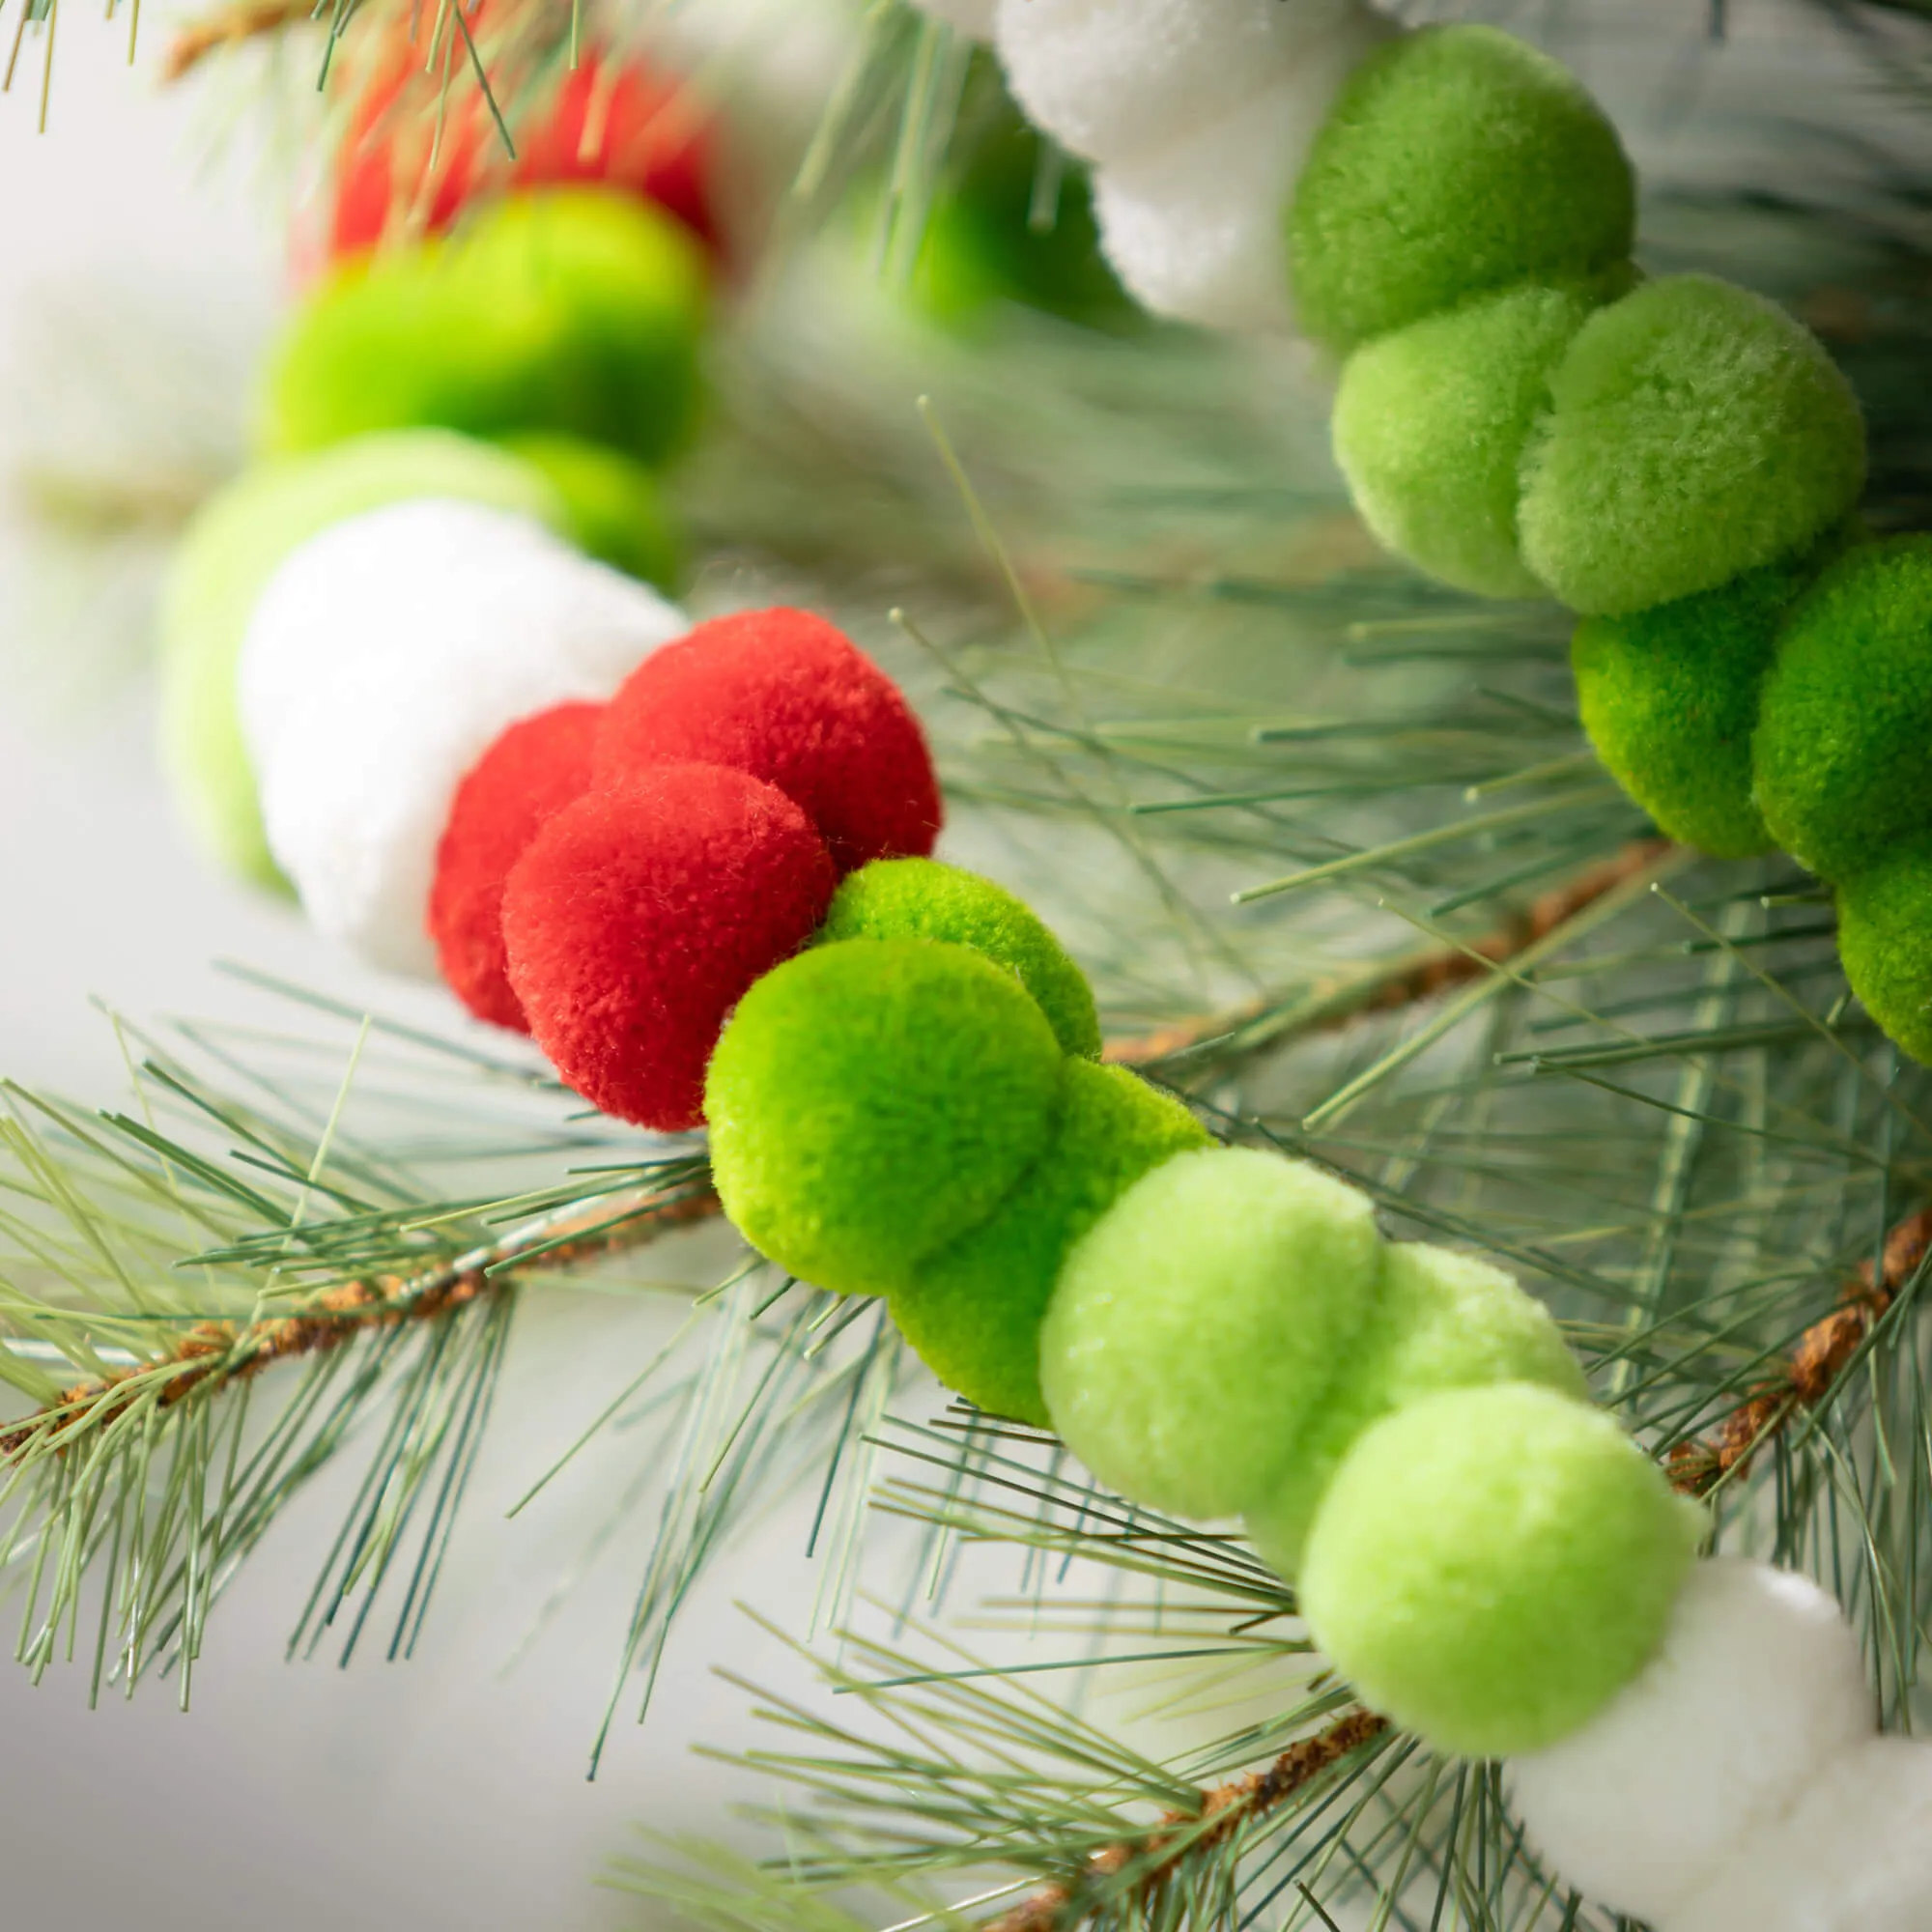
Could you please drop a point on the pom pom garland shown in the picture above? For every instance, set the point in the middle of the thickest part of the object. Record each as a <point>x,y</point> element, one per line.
<point>383,658</point>
<point>1759,1686</point>
<point>784,696</point>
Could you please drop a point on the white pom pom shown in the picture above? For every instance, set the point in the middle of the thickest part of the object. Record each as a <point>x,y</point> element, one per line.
<point>1760,1684</point>
<point>973,17</point>
<point>1197,230</point>
<point>1113,79</point>
<point>1856,1855</point>
<point>381,660</point>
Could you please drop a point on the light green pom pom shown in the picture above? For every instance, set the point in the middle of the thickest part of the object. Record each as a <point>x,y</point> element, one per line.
<point>229,551</point>
<point>1697,431</point>
<point>1430,427</point>
<point>871,1101</point>
<point>1490,1565</point>
<point>1457,160</point>
<point>920,899</point>
<point>1885,939</point>
<point>1846,716</point>
<point>974,1311</point>
<point>570,311</point>
<point>1444,1320</point>
<point>1670,699</point>
<point>1198,1326</point>
<point>615,506</point>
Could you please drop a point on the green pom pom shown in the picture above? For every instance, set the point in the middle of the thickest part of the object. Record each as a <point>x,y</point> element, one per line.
<point>1490,1565</point>
<point>1457,160</point>
<point>871,1101</point>
<point>1670,699</point>
<point>920,899</point>
<point>571,311</point>
<point>1444,1320</point>
<point>1846,715</point>
<point>1697,431</point>
<point>1199,1324</point>
<point>229,551</point>
<point>1885,939</point>
<point>1430,427</point>
<point>613,505</point>
<point>974,1311</point>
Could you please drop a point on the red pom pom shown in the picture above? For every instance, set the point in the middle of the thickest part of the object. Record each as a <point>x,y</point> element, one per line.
<point>627,128</point>
<point>532,770</point>
<point>783,695</point>
<point>642,914</point>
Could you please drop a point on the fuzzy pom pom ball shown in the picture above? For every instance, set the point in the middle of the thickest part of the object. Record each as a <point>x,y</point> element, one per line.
<point>871,1101</point>
<point>1431,422</point>
<point>232,547</point>
<point>637,918</point>
<point>1847,707</point>
<point>783,695</point>
<point>1114,79</point>
<point>1759,1686</point>
<point>1849,1858</point>
<point>1491,1566</point>
<point>1670,700</point>
<point>615,505</point>
<point>920,899</point>
<point>1695,432</point>
<point>1885,942</point>
<point>1198,1326</point>
<point>383,658</point>
<point>974,1311</point>
<point>531,771</point>
<point>569,311</point>
<point>1442,1320</point>
<point>1457,160</point>
<point>1193,227</point>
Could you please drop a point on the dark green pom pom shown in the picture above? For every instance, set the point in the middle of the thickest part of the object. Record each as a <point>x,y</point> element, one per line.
<point>920,899</point>
<point>1671,698</point>
<point>974,1311</point>
<point>1695,432</point>
<point>1457,160</point>
<point>615,506</point>
<point>569,311</point>
<point>1885,939</point>
<point>873,1101</point>
<point>1846,717</point>
<point>1429,428</point>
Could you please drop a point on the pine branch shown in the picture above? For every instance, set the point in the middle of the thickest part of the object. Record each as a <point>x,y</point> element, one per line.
<point>229,26</point>
<point>1222,1810</point>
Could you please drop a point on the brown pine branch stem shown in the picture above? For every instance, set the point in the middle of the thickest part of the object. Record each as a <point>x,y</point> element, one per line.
<point>1220,1811</point>
<point>229,26</point>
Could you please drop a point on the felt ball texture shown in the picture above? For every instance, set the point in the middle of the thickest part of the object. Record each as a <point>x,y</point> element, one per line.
<point>1199,1324</point>
<point>1759,1686</point>
<point>614,505</point>
<point>1442,1320</point>
<point>1885,942</point>
<point>1113,79</point>
<point>974,1311</point>
<point>1696,431</point>
<point>871,1101</point>
<point>637,918</point>
<point>1457,160</point>
<point>1193,226</point>
<point>1430,427</point>
<point>1670,699</point>
<point>1849,1858</point>
<point>383,658</point>
<point>1842,724</point>
<point>569,311</point>
<point>527,777</point>
<point>785,696</point>
<point>920,899</point>
<point>232,547</point>
<point>1490,1565</point>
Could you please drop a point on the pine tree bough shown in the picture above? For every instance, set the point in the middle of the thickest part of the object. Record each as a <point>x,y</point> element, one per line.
<point>228,27</point>
<point>1222,1810</point>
